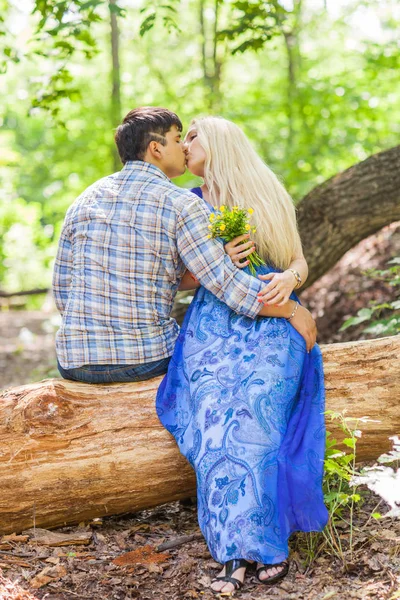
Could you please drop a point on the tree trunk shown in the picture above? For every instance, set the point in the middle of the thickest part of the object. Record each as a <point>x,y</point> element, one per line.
<point>116,80</point>
<point>291,39</point>
<point>346,209</point>
<point>211,63</point>
<point>71,451</point>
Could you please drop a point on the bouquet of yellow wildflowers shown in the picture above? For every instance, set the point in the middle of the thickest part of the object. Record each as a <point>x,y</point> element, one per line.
<point>228,223</point>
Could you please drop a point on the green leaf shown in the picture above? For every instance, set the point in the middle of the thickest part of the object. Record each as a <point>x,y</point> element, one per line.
<point>169,7</point>
<point>91,4</point>
<point>147,24</point>
<point>335,468</point>
<point>363,315</point>
<point>350,442</point>
<point>64,45</point>
<point>330,496</point>
<point>86,37</point>
<point>384,327</point>
<point>348,459</point>
<point>114,8</point>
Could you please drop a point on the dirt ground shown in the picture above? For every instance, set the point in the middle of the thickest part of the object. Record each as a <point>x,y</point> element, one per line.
<point>128,557</point>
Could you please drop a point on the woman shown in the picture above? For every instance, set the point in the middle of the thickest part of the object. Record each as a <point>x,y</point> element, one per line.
<point>243,398</point>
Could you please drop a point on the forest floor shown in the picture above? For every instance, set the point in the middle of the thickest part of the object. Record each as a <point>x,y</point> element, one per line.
<point>121,560</point>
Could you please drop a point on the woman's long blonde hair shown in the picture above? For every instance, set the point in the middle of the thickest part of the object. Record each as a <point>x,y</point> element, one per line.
<point>236,176</point>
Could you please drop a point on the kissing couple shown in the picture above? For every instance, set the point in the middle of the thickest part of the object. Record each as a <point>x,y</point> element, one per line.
<point>243,388</point>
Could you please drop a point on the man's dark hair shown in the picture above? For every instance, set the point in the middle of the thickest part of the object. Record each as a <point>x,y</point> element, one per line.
<point>142,126</point>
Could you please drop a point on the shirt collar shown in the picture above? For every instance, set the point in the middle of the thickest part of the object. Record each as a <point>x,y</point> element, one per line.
<point>144,167</point>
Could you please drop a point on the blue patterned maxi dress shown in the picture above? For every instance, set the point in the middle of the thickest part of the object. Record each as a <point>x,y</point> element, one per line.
<point>245,401</point>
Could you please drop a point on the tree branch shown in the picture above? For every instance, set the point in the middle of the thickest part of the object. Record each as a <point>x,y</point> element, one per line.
<point>338,214</point>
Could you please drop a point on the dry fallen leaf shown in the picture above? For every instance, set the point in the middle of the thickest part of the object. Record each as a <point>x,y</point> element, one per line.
<point>53,560</point>
<point>40,580</point>
<point>139,538</point>
<point>286,585</point>
<point>374,563</point>
<point>388,534</point>
<point>121,541</point>
<point>170,573</point>
<point>375,546</point>
<point>11,590</point>
<point>154,568</point>
<point>187,566</point>
<point>142,555</point>
<point>87,555</point>
<point>205,580</point>
<point>139,527</point>
<point>191,594</point>
<point>48,574</point>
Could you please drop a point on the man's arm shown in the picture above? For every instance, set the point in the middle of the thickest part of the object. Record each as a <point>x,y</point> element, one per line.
<point>62,271</point>
<point>209,263</point>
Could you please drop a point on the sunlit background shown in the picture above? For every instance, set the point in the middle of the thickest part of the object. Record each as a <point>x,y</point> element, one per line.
<point>321,94</point>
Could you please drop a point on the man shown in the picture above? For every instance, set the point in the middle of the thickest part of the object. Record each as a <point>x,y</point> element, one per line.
<point>124,247</point>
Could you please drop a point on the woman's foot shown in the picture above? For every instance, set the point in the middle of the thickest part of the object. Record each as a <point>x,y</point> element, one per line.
<point>231,577</point>
<point>272,573</point>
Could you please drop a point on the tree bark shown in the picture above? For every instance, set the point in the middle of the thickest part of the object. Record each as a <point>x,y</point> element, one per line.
<point>70,452</point>
<point>347,208</point>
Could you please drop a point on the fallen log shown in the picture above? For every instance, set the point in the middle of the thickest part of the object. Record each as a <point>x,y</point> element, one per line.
<point>70,452</point>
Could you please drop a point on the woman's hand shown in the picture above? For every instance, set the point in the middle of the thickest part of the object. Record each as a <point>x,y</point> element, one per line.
<point>304,323</point>
<point>237,251</point>
<point>278,291</point>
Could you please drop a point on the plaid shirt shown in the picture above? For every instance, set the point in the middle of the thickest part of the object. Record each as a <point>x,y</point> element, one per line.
<point>124,246</point>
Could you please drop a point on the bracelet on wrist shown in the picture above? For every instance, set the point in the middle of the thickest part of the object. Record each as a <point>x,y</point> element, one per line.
<point>296,306</point>
<point>297,277</point>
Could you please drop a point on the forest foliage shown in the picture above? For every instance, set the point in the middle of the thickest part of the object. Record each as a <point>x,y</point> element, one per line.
<point>312,82</point>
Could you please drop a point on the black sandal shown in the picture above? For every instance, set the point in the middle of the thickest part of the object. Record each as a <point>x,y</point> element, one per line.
<point>230,567</point>
<point>274,578</point>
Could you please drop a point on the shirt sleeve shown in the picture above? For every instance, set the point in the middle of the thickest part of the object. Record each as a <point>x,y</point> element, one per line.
<point>62,271</point>
<point>207,260</point>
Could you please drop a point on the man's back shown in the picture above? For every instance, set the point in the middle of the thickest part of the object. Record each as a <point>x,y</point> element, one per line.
<point>118,269</point>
